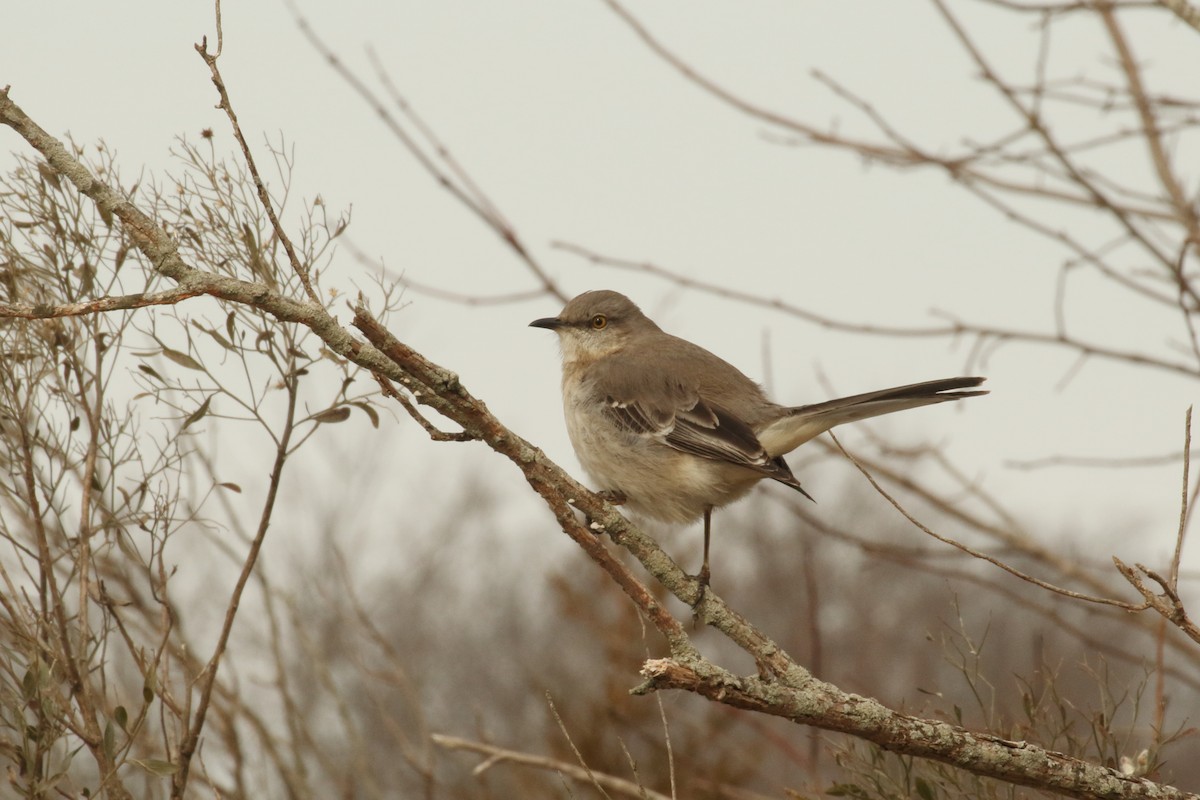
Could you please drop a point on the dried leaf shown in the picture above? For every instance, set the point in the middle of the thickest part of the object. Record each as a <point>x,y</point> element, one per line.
<point>49,175</point>
<point>197,414</point>
<point>110,740</point>
<point>122,253</point>
<point>151,372</point>
<point>370,412</point>
<point>339,414</point>
<point>151,683</point>
<point>182,359</point>
<point>156,766</point>
<point>233,487</point>
<point>215,334</point>
<point>87,278</point>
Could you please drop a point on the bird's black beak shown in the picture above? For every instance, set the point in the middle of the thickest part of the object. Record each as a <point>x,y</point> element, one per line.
<point>550,323</point>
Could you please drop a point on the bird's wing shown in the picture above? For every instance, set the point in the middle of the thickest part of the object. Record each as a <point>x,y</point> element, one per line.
<point>693,426</point>
<point>705,430</point>
<point>648,402</point>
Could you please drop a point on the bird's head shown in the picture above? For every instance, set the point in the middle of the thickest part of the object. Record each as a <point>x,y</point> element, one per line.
<point>595,324</point>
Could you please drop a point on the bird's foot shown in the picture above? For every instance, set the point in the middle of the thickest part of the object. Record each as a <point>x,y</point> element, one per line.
<point>766,671</point>
<point>702,583</point>
<point>613,497</point>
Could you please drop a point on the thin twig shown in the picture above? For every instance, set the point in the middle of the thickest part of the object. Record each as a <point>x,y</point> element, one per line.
<point>975,553</point>
<point>208,677</point>
<point>434,432</point>
<point>952,328</point>
<point>1185,493</point>
<point>450,295</point>
<point>1184,207</point>
<point>264,198</point>
<point>1167,602</point>
<point>499,754</point>
<point>562,726</point>
<point>466,191</point>
<point>1184,10</point>
<point>662,715</point>
<point>926,561</point>
<point>1036,124</point>
<point>680,278</point>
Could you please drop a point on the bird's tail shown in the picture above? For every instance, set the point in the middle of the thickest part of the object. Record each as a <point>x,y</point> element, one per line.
<point>802,423</point>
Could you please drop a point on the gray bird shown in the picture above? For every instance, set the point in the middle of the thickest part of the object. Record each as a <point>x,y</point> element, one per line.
<point>675,431</point>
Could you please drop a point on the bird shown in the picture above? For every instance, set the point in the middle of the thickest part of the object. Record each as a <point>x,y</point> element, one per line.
<point>673,431</point>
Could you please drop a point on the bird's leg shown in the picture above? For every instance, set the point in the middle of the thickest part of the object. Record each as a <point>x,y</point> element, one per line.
<point>702,578</point>
<point>704,572</point>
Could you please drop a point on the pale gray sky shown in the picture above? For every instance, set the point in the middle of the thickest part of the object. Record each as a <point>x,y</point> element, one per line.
<point>579,133</point>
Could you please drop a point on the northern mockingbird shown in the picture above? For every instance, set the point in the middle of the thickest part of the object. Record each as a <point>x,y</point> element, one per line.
<point>676,431</point>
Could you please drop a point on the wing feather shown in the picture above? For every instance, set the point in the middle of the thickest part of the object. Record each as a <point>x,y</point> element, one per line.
<point>701,429</point>
<point>646,403</point>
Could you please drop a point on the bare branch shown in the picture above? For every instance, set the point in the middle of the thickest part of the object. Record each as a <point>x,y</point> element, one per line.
<point>499,755</point>
<point>1166,602</point>
<point>97,306</point>
<point>1185,210</point>
<point>462,298</point>
<point>454,178</point>
<point>434,433</point>
<point>825,706</point>
<point>681,278</point>
<point>1038,126</point>
<point>973,552</point>
<point>208,678</point>
<point>1184,10</point>
<point>264,197</point>
<point>955,327</point>
<point>1185,494</point>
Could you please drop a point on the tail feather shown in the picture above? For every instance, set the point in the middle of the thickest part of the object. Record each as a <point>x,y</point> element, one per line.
<point>802,423</point>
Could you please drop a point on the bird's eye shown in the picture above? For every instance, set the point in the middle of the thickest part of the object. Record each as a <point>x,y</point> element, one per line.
<point>599,322</point>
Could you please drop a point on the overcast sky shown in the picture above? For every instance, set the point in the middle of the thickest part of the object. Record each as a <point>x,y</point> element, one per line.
<point>579,134</point>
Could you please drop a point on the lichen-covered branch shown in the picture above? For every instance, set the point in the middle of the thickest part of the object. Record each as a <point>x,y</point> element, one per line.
<point>825,706</point>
